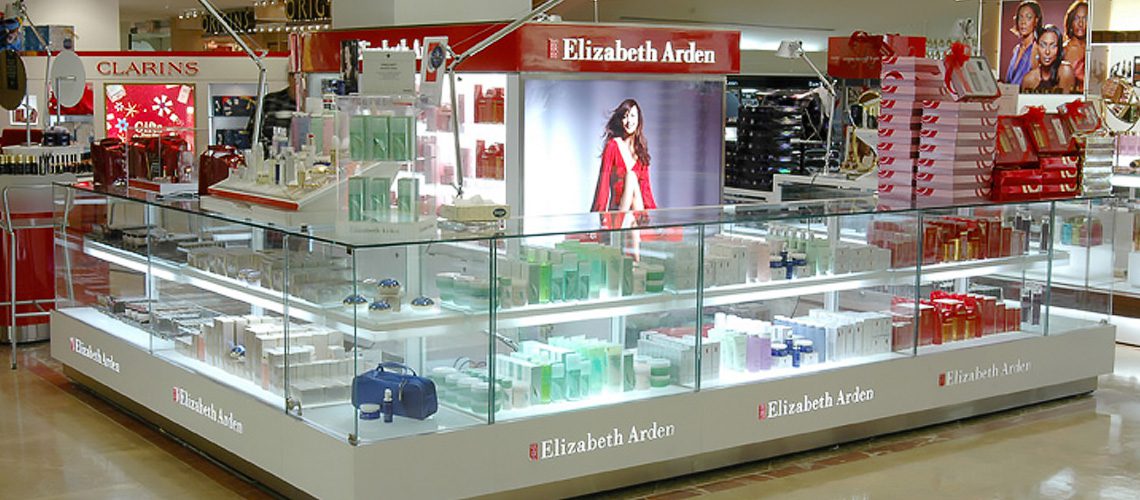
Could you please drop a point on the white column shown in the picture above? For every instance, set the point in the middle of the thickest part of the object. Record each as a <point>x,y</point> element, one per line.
<point>96,22</point>
<point>376,13</point>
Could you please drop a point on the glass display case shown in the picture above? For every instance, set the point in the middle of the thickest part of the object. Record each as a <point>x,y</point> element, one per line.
<point>523,331</point>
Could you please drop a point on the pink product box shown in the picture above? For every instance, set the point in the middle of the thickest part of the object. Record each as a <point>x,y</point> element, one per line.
<point>895,183</point>
<point>899,133</point>
<point>954,141</point>
<point>950,135</point>
<point>890,166</point>
<point>898,113</point>
<point>968,194</point>
<point>889,103</point>
<point>933,84</point>
<point>914,92</point>
<point>955,119</point>
<point>925,77</point>
<point>959,153</point>
<point>897,151</point>
<point>910,64</point>
<point>960,128</point>
<point>957,167</point>
<point>953,182</point>
<point>911,121</point>
<point>959,106</point>
<point>896,192</point>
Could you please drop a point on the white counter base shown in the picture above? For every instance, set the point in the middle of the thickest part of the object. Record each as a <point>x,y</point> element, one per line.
<point>648,439</point>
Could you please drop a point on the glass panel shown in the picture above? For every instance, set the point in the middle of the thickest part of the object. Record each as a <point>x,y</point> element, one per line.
<point>797,296</point>
<point>597,318</point>
<point>1083,265</point>
<point>105,261</point>
<point>985,274</point>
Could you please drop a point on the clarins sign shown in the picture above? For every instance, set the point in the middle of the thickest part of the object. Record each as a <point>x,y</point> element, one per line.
<point>147,68</point>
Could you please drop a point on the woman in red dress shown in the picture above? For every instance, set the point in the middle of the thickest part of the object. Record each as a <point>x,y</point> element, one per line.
<point>623,179</point>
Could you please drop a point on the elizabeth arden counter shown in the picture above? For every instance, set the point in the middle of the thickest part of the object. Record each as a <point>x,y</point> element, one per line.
<point>562,348</point>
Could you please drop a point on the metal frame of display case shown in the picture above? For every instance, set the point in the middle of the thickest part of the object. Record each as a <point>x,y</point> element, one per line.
<point>615,439</point>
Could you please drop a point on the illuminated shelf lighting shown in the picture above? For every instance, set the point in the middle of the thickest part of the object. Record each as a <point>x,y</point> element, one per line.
<point>414,324</point>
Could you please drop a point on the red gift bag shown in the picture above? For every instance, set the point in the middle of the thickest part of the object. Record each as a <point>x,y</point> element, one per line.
<point>859,56</point>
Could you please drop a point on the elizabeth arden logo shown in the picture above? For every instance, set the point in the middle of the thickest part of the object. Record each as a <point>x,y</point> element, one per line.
<point>552,49</point>
<point>785,407</point>
<point>983,373</point>
<point>584,49</point>
<point>94,354</point>
<point>217,414</point>
<point>561,447</point>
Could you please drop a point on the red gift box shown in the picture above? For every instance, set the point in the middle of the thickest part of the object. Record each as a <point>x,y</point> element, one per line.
<point>156,157</point>
<point>109,161</point>
<point>860,56</point>
<point>1080,116</point>
<point>961,108</point>
<point>1014,147</point>
<point>215,165</point>
<point>1048,132</point>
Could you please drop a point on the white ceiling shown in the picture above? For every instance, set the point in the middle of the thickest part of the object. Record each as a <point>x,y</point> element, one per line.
<point>138,10</point>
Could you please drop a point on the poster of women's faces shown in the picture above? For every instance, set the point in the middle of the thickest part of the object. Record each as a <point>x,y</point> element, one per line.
<point>621,145</point>
<point>1043,45</point>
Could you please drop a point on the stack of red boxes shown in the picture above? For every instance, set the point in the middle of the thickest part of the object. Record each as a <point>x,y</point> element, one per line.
<point>1036,158</point>
<point>956,152</point>
<point>906,83</point>
<point>948,317</point>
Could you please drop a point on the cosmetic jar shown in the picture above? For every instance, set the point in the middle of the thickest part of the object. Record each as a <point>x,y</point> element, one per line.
<point>369,411</point>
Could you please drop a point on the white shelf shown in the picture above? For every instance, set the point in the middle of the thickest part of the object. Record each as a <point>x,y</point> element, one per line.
<point>409,323</point>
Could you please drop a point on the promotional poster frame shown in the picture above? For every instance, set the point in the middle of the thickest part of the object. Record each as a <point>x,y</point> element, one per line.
<point>529,54</point>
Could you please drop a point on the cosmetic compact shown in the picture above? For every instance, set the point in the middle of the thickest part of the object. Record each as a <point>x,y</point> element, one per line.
<point>422,303</point>
<point>237,352</point>
<point>389,290</point>
<point>369,411</point>
<point>355,301</point>
<point>379,306</point>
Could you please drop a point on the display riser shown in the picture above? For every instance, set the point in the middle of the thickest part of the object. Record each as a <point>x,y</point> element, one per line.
<point>488,459</point>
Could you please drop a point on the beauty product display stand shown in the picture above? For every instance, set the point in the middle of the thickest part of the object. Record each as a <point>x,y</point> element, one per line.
<point>578,352</point>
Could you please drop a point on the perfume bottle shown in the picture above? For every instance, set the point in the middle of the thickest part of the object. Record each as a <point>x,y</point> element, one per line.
<point>386,407</point>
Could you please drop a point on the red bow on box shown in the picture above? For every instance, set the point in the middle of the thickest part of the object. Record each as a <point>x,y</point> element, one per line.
<point>955,59</point>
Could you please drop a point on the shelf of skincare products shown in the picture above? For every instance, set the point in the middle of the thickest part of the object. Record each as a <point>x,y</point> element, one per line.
<point>567,373</point>
<point>327,300</point>
<point>285,180</point>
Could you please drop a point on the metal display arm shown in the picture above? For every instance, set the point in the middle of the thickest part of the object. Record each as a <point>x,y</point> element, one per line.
<point>47,73</point>
<point>255,140</point>
<point>460,58</point>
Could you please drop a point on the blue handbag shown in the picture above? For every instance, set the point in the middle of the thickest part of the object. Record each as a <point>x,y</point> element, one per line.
<point>413,396</point>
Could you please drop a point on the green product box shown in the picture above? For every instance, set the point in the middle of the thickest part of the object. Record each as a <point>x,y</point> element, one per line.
<point>408,196</point>
<point>318,131</point>
<point>626,276</point>
<point>379,198</point>
<point>534,279</point>
<point>357,134</point>
<point>356,189</point>
<point>378,133</point>
<point>400,138</point>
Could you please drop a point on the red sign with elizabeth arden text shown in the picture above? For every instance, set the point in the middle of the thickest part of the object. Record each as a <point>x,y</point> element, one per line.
<point>559,48</point>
